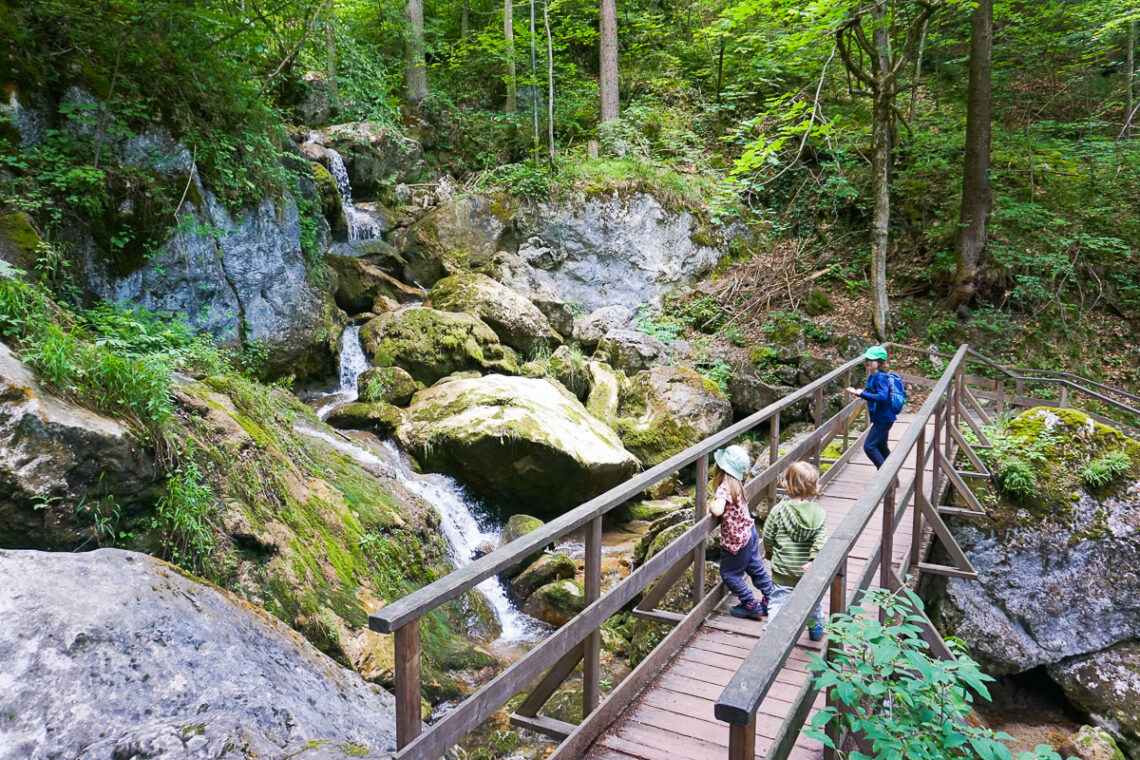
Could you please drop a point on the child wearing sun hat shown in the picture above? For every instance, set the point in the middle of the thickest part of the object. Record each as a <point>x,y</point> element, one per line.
<point>739,539</point>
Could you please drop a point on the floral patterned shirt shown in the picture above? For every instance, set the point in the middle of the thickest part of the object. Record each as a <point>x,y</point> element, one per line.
<point>736,524</point>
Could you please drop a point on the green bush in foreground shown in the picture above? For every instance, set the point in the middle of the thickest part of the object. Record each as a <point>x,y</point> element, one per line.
<point>905,703</point>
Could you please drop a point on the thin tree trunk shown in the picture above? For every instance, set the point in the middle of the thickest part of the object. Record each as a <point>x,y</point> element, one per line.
<point>917,77</point>
<point>1131,79</point>
<point>534,86</point>
<point>719,68</point>
<point>463,19</point>
<point>330,60</point>
<point>976,195</point>
<point>549,82</point>
<point>415,66</point>
<point>608,84</point>
<point>512,76</point>
<point>881,170</point>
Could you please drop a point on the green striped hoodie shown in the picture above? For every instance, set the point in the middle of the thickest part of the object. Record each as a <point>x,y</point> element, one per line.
<point>793,535</point>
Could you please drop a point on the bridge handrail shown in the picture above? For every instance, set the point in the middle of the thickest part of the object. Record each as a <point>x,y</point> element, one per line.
<point>740,700</point>
<point>422,601</point>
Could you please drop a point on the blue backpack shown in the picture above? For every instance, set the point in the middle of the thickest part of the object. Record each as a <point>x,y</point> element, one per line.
<point>898,392</point>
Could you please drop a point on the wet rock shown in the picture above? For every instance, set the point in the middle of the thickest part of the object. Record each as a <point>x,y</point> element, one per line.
<point>54,454</point>
<point>381,419</point>
<point>359,284</point>
<point>590,330</point>
<point>668,409</point>
<point>547,569</point>
<point>389,385</point>
<point>432,344</point>
<point>375,155</point>
<point>517,526</point>
<point>332,207</point>
<point>521,277</point>
<point>630,351</point>
<point>1106,685</point>
<point>112,653</point>
<point>518,438</point>
<point>556,603</point>
<point>516,321</point>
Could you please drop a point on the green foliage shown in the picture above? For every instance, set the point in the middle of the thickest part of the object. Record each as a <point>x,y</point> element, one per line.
<point>1016,460</point>
<point>183,517</point>
<point>523,180</point>
<point>1102,471</point>
<point>662,326</point>
<point>908,704</point>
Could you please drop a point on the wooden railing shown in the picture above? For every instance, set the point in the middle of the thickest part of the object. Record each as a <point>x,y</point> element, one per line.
<point>579,639</point>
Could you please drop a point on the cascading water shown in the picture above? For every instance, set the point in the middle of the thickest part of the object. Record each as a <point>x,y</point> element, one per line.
<point>360,225</point>
<point>352,363</point>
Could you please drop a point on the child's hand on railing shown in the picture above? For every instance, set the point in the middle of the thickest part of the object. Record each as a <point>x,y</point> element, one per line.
<point>852,391</point>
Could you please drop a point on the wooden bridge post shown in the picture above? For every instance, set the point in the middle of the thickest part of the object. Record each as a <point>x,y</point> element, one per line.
<point>592,659</point>
<point>1064,396</point>
<point>742,741</point>
<point>773,454</point>
<point>838,605</point>
<point>407,650</point>
<point>919,497</point>
<point>817,450</point>
<point>847,420</point>
<point>700,508</point>
<point>1002,392</point>
<point>935,479</point>
<point>887,547</point>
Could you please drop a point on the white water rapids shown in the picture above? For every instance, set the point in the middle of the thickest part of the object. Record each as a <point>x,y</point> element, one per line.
<point>360,225</point>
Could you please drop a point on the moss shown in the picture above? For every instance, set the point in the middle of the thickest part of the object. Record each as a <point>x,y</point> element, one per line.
<point>19,240</point>
<point>818,303</point>
<point>657,441</point>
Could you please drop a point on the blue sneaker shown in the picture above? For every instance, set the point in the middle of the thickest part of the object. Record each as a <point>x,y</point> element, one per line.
<point>752,610</point>
<point>815,632</point>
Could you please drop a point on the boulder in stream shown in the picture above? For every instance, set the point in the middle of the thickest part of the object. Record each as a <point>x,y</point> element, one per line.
<point>516,321</point>
<point>556,603</point>
<point>517,438</point>
<point>111,654</point>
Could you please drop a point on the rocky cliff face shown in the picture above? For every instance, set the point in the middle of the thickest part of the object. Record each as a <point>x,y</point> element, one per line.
<point>112,654</point>
<point>1058,566</point>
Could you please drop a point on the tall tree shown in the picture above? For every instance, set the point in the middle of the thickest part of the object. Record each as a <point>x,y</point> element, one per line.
<point>608,44</point>
<point>1130,79</point>
<point>976,194</point>
<point>509,33</point>
<point>876,63</point>
<point>464,15</point>
<point>549,82</point>
<point>330,58</point>
<point>415,65</point>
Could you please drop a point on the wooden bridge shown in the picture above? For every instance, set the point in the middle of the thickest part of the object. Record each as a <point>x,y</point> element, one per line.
<point>707,690</point>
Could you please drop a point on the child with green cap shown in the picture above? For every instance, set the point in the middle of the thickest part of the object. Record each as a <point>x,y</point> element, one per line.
<point>739,540</point>
<point>877,394</point>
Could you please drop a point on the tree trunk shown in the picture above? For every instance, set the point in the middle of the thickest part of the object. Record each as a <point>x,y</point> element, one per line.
<point>549,82</point>
<point>1131,78</point>
<point>917,77</point>
<point>464,15</point>
<point>509,34</point>
<point>415,66</point>
<point>881,170</point>
<point>330,60</point>
<point>608,43</point>
<point>976,196</point>
<point>534,87</point>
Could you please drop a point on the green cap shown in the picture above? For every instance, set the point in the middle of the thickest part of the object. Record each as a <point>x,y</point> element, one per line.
<point>876,353</point>
<point>733,460</point>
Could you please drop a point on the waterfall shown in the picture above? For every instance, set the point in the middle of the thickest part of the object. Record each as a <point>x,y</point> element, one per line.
<point>360,225</point>
<point>352,363</point>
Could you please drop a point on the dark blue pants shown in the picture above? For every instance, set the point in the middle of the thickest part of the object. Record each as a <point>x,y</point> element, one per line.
<point>747,561</point>
<point>876,444</point>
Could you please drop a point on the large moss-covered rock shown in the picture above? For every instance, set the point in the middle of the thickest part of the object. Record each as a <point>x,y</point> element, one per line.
<point>1106,685</point>
<point>518,438</point>
<point>605,392</point>
<point>113,654</point>
<point>359,284</point>
<point>1092,743</point>
<point>516,321</point>
<point>19,240</point>
<point>546,569</point>
<point>668,409</point>
<point>556,603</point>
<point>379,418</point>
<point>630,351</point>
<point>522,278</point>
<point>432,344</point>
<point>389,385</point>
<point>56,456</point>
<point>462,234</point>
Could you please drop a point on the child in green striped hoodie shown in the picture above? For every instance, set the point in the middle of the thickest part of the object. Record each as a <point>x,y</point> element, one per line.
<point>793,535</point>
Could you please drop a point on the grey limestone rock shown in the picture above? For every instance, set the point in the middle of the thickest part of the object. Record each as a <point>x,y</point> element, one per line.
<point>630,351</point>
<point>111,654</point>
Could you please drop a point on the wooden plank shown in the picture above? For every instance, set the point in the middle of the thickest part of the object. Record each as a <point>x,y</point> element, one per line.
<point>408,716</point>
<point>660,737</point>
<point>659,616</point>
<point>592,646</point>
<point>551,681</point>
<point>555,729</point>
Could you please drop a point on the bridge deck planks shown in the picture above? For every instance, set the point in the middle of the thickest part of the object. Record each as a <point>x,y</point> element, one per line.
<point>673,716</point>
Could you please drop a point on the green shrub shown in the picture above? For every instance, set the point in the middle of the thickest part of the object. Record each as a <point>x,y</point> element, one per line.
<point>183,518</point>
<point>908,704</point>
<point>1104,470</point>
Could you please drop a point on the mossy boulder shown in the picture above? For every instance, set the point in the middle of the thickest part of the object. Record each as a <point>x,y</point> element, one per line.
<point>605,392</point>
<point>379,418</point>
<point>1106,685</point>
<point>668,409</point>
<point>332,207</point>
<point>630,350</point>
<point>19,241</point>
<point>547,569</point>
<point>433,344</point>
<point>1092,743</point>
<point>515,438</point>
<point>568,366</point>
<point>459,235</point>
<point>517,526</point>
<point>389,385</point>
<point>359,284</point>
<point>556,603</point>
<point>516,321</point>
